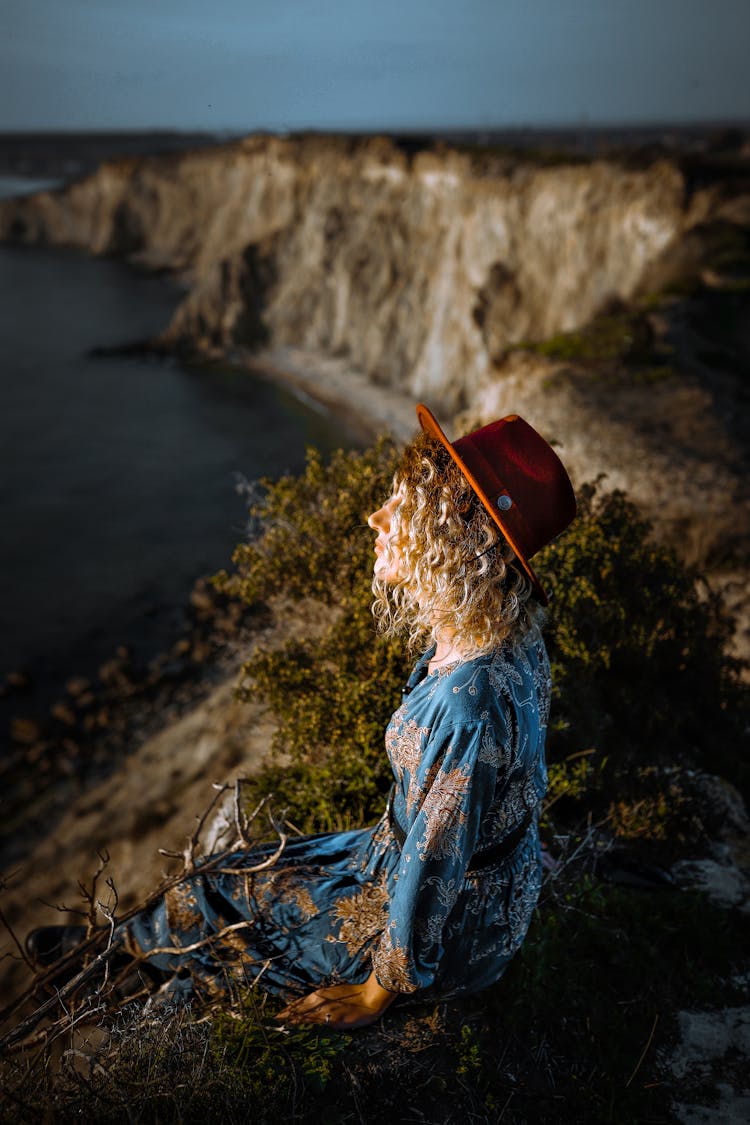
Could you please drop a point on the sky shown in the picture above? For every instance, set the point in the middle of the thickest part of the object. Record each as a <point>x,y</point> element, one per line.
<point>285,65</point>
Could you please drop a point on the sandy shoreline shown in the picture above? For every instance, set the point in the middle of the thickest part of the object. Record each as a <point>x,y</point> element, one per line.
<point>369,409</point>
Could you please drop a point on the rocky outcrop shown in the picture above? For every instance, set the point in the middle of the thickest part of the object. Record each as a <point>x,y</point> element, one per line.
<point>423,271</point>
<point>375,275</point>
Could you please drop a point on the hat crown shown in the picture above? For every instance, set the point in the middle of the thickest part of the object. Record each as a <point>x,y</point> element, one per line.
<point>509,459</point>
<point>519,479</point>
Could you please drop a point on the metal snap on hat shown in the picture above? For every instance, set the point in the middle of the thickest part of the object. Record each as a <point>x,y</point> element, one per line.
<point>519,479</point>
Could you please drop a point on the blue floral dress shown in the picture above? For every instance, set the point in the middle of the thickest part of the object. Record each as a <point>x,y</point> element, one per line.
<point>467,751</point>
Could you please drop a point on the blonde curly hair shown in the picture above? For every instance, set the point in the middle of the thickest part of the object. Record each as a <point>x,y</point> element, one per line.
<point>459,581</point>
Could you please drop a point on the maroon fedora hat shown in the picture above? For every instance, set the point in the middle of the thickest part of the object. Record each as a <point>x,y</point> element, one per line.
<point>519,479</point>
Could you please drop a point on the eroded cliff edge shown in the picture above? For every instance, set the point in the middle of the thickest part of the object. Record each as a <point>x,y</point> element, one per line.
<point>440,274</point>
<point>421,270</point>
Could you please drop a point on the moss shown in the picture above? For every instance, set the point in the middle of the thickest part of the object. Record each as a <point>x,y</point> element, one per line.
<point>621,342</point>
<point>274,1062</point>
<point>605,338</point>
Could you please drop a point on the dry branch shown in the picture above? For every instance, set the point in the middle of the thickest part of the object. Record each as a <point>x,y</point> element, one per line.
<point>101,944</point>
<point>177,949</point>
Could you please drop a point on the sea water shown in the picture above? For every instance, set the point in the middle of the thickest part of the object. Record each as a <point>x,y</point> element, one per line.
<point>120,477</point>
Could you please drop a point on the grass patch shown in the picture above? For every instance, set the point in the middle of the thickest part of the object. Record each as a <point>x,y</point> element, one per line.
<point>619,343</point>
<point>558,1040</point>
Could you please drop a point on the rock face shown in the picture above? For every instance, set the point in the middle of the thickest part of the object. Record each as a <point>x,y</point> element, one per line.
<point>423,271</point>
<point>420,273</point>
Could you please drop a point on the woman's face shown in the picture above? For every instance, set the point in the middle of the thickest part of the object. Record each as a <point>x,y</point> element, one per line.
<point>387,556</point>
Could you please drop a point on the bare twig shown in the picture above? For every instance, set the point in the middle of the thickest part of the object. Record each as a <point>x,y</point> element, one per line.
<point>110,914</point>
<point>200,821</point>
<point>177,949</point>
<point>24,955</point>
<point>239,820</point>
<point>85,975</point>
<point>62,908</point>
<point>89,896</point>
<point>645,1049</point>
<point>101,941</point>
<point>272,859</point>
<point>69,1021</point>
<point>266,964</point>
<point>246,821</point>
<point>588,843</point>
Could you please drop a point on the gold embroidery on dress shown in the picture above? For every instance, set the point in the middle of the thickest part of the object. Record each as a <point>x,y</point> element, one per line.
<point>236,940</point>
<point>404,746</point>
<point>362,915</point>
<point>391,964</point>
<point>182,910</point>
<point>287,885</point>
<point>382,838</point>
<point>416,791</point>
<point>444,817</point>
<point>405,751</point>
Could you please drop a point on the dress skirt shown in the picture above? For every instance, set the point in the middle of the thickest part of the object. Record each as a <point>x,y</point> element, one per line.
<point>466,748</point>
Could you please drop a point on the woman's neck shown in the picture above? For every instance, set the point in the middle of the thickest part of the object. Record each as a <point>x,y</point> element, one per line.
<point>446,652</point>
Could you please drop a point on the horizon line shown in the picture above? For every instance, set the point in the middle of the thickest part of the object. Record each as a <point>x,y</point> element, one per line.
<point>373,131</point>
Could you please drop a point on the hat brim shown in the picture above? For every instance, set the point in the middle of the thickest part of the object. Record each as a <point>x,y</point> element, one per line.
<point>430,425</point>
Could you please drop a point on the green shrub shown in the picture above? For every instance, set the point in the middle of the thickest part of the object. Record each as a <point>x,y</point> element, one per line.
<point>638,647</point>
<point>640,675</point>
<point>333,696</point>
<point>615,338</point>
<point>312,538</point>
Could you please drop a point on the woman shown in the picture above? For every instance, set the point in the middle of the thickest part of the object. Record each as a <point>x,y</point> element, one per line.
<point>437,897</point>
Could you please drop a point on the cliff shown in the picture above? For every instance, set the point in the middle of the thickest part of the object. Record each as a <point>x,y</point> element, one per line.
<point>379,275</point>
<point>421,271</point>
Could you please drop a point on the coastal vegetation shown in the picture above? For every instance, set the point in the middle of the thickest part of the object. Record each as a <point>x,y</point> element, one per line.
<point>646,703</point>
<point>637,645</point>
<point>618,342</point>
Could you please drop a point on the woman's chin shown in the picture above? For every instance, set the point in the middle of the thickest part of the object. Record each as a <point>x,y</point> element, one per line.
<point>384,574</point>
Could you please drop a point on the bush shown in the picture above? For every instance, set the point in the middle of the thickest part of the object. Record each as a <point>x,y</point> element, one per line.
<point>333,696</point>
<point>637,649</point>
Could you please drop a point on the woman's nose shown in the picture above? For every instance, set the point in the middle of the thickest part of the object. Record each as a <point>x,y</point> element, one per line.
<point>377,521</point>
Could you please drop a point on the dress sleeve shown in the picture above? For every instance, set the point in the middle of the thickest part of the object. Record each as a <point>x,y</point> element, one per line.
<point>450,796</point>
